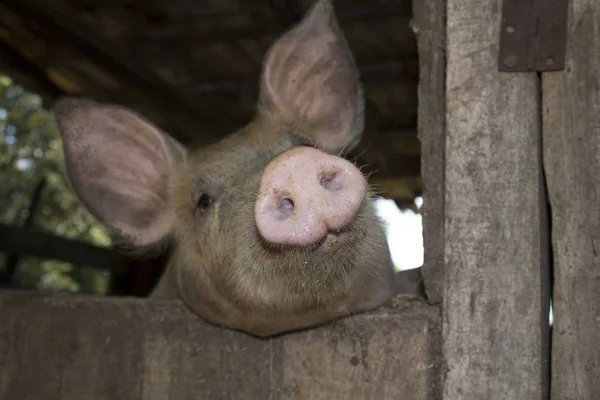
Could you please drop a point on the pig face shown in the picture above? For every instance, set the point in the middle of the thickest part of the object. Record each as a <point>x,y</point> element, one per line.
<point>271,230</point>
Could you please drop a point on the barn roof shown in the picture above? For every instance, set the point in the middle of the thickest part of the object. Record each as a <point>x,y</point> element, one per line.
<point>192,66</point>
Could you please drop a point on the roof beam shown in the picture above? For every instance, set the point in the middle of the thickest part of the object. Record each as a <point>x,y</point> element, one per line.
<point>144,87</point>
<point>405,70</point>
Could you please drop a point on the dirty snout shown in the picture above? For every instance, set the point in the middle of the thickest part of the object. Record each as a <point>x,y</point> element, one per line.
<point>306,195</point>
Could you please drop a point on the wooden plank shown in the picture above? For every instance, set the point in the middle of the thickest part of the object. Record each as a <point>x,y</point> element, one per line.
<point>429,27</point>
<point>496,306</point>
<point>67,347</point>
<point>572,165</point>
<point>33,243</point>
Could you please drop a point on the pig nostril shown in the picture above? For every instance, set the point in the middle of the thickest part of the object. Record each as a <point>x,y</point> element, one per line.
<point>285,209</point>
<point>331,181</point>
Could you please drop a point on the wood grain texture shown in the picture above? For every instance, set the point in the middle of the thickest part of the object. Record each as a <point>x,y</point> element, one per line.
<point>572,164</point>
<point>429,23</point>
<point>495,305</point>
<point>66,347</point>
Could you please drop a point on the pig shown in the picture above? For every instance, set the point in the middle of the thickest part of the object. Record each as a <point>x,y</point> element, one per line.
<point>270,229</point>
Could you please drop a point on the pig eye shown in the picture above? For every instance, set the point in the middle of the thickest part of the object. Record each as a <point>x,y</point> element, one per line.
<point>204,201</point>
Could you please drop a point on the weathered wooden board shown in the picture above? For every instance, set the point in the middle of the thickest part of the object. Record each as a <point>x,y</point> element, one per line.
<point>496,271</point>
<point>572,164</point>
<point>429,28</point>
<point>66,347</point>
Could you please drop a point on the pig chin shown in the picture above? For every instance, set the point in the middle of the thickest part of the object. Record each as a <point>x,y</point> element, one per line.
<point>344,272</point>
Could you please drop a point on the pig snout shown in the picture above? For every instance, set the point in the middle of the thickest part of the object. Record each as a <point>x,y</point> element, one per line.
<point>304,194</point>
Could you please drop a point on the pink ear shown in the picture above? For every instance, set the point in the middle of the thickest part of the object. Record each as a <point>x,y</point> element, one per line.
<point>119,166</point>
<point>310,81</point>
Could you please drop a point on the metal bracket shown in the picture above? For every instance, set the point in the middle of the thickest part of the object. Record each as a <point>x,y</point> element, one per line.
<point>533,35</point>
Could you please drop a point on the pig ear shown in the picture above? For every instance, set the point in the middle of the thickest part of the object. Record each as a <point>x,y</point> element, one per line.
<point>310,80</point>
<point>119,166</point>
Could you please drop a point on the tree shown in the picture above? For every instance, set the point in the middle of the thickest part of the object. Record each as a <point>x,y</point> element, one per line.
<point>31,149</point>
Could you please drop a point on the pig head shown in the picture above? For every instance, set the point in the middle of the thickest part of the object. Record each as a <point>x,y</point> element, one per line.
<point>270,230</point>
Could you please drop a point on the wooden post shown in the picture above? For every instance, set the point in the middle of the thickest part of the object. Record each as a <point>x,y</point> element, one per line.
<point>572,164</point>
<point>429,28</point>
<point>496,262</point>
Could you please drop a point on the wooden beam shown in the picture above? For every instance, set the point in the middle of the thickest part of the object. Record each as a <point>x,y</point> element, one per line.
<point>572,164</point>
<point>399,188</point>
<point>389,154</point>
<point>137,88</point>
<point>385,72</point>
<point>12,63</point>
<point>388,166</point>
<point>496,301</point>
<point>30,243</point>
<point>396,141</point>
<point>268,25</point>
<point>76,347</point>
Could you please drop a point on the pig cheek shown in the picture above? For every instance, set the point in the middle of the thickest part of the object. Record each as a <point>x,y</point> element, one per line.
<point>375,270</point>
<point>194,238</point>
<point>196,285</point>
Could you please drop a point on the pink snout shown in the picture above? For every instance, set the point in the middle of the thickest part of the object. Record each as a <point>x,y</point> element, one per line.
<point>304,193</point>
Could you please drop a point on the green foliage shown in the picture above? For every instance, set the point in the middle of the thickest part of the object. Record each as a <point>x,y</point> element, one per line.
<point>30,148</point>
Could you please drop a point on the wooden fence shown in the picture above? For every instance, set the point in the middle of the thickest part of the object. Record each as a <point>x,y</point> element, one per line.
<point>511,211</point>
